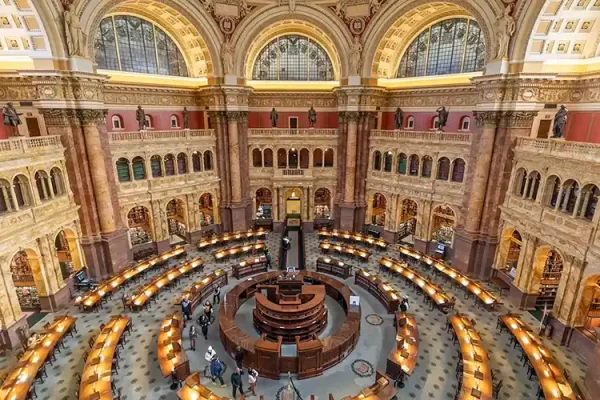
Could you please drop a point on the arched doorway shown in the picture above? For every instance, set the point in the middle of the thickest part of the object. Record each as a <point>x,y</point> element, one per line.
<point>509,252</point>
<point>140,225</point>
<point>322,203</point>
<point>264,204</point>
<point>588,314</point>
<point>207,209</point>
<point>293,158</point>
<point>443,220</point>
<point>27,277</point>
<point>176,221</point>
<point>67,251</point>
<point>408,218</point>
<point>547,272</point>
<point>378,209</point>
<point>293,202</point>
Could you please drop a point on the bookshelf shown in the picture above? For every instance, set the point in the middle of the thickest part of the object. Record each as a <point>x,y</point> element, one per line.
<point>550,280</point>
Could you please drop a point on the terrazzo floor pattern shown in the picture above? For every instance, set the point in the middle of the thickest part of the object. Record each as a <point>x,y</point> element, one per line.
<point>434,377</point>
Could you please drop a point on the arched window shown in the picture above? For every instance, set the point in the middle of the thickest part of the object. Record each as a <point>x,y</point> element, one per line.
<point>589,202</point>
<point>208,160</point>
<point>281,158</point>
<point>447,47</point>
<point>22,191</point>
<point>197,161</point>
<point>156,166</point>
<point>42,184</point>
<point>465,124</point>
<point>257,158</point>
<point>268,158</point>
<point>443,170</point>
<point>117,122</point>
<point>520,182</point>
<point>402,163</point>
<point>149,124</point>
<point>552,190</point>
<point>6,200</point>
<point>182,162</point>
<point>169,165</point>
<point>377,161</point>
<point>123,170</point>
<point>128,43</point>
<point>57,182</point>
<point>174,121</point>
<point>293,58</point>
<point>139,223</point>
<point>304,154</point>
<point>138,165</point>
<point>413,165</point>
<point>329,158</point>
<point>533,185</point>
<point>458,170</point>
<point>427,167</point>
<point>388,161</point>
<point>293,158</point>
<point>410,122</point>
<point>318,158</point>
<point>568,197</point>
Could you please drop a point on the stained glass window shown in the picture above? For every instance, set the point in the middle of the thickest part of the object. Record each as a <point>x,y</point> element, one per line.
<point>293,58</point>
<point>127,43</point>
<point>447,47</point>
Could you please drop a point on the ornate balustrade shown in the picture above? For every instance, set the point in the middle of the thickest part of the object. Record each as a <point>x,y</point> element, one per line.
<point>292,132</point>
<point>560,148</point>
<point>425,136</point>
<point>153,136</point>
<point>24,145</point>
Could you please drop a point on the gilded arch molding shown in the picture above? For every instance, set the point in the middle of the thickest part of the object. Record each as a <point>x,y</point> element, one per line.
<point>185,21</point>
<point>319,24</point>
<point>393,28</point>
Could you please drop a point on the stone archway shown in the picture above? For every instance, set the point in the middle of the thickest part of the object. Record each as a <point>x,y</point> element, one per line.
<point>66,244</point>
<point>28,279</point>
<point>547,274</point>
<point>588,306</point>
<point>293,202</point>
<point>139,222</point>
<point>443,221</point>
<point>177,220</point>
<point>509,251</point>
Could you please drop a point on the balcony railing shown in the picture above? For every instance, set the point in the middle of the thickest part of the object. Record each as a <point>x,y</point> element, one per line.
<point>152,136</point>
<point>292,132</point>
<point>560,148</point>
<point>440,137</point>
<point>27,144</point>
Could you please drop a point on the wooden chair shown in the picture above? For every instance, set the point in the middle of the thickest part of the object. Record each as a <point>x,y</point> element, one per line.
<point>31,393</point>
<point>496,387</point>
<point>118,395</point>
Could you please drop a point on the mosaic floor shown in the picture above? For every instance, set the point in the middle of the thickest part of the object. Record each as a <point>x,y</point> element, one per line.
<point>433,378</point>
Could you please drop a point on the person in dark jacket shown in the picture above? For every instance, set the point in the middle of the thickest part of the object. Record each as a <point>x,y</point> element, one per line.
<point>217,295</point>
<point>193,335</point>
<point>404,304</point>
<point>204,322</point>
<point>236,382</point>
<point>186,308</point>
<point>239,358</point>
<point>216,370</point>
<point>268,258</point>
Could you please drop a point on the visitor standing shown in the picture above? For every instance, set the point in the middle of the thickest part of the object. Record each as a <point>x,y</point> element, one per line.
<point>186,307</point>
<point>193,335</point>
<point>239,358</point>
<point>204,322</point>
<point>217,295</point>
<point>268,259</point>
<point>236,382</point>
<point>252,378</point>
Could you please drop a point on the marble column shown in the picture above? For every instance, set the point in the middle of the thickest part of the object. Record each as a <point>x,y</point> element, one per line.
<point>11,317</point>
<point>238,206</point>
<point>348,203</point>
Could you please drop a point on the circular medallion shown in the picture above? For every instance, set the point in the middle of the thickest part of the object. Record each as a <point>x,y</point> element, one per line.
<point>528,94</point>
<point>374,319</point>
<point>576,95</point>
<point>357,25</point>
<point>48,92</point>
<point>227,25</point>
<point>88,93</point>
<point>362,368</point>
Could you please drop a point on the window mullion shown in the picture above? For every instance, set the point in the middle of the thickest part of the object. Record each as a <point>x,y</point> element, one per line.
<point>462,64</point>
<point>114,25</point>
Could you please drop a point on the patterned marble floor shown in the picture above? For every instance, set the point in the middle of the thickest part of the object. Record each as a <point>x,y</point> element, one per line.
<point>433,378</point>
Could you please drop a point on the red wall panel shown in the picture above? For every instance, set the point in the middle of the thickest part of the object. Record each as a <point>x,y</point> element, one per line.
<point>262,119</point>
<point>161,120</point>
<point>5,131</point>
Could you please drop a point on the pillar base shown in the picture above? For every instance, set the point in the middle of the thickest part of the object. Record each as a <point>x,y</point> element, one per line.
<point>278,227</point>
<point>561,333</point>
<point>240,220</point>
<point>389,237</point>
<point>10,335</point>
<point>107,253</point>
<point>421,245</point>
<point>308,226</point>
<point>525,301</point>
<point>474,254</point>
<point>56,301</point>
<point>347,222</point>
<point>163,245</point>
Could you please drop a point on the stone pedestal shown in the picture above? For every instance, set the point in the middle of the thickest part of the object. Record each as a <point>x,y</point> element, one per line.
<point>239,220</point>
<point>346,218</point>
<point>474,254</point>
<point>525,301</point>
<point>56,301</point>
<point>389,237</point>
<point>308,226</point>
<point>163,245</point>
<point>421,245</point>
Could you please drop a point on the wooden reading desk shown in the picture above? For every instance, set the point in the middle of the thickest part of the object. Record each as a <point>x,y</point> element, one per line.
<point>169,346</point>
<point>404,355</point>
<point>353,237</point>
<point>236,251</point>
<point>231,237</point>
<point>348,250</point>
<point>193,390</point>
<point>335,267</point>
<point>204,287</point>
<point>17,383</point>
<point>383,291</point>
<point>382,389</point>
<point>249,266</point>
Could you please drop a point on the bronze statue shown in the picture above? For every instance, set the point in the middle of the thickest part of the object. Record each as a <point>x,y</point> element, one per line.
<point>274,117</point>
<point>312,117</point>
<point>186,118</point>
<point>399,118</point>
<point>140,116</point>
<point>442,117</point>
<point>560,120</point>
<point>11,118</point>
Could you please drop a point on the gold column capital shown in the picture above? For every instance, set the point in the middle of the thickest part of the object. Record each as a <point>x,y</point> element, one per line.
<point>60,117</point>
<point>91,117</point>
<point>352,116</point>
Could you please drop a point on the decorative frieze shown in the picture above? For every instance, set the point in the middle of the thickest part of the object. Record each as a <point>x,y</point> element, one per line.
<point>300,100</point>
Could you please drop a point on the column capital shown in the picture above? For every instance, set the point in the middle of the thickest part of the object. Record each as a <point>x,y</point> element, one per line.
<point>60,117</point>
<point>238,116</point>
<point>517,119</point>
<point>91,117</point>
<point>487,119</point>
<point>352,116</point>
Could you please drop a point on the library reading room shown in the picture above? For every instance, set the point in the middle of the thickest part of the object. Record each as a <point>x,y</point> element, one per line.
<point>300,199</point>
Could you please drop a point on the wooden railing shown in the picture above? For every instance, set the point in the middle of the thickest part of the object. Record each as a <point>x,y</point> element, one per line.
<point>560,148</point>
<point>440,137</point>
<point>25,144</point>
<point>292,132</point>
<point>145,136</point>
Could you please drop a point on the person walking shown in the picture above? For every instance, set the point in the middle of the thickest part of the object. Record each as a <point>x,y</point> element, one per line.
<point>268,259</point>
<point>217,295</point>
<point>216,370</point>
<point>193,335</point>
<point>208,309</point>
<point>204,322</point>
<point>236,382</point>
<point>186,308</point>
<point>210,354</point>
<point>252,378</point>
<point>239,358</point>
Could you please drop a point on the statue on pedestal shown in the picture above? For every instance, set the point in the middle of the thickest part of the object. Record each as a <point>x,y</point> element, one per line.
<point>399,118</point>
<point>560,120</point>
<point>186,118</point>
<point>442,117</point>
<point>355,56</point>
<point>73,32</point>
<point>505,28</point>
<point>140,116</point>
<point>274,117</point>
<point>227,57</point>
<point>312,117</point>
<point>11,118</point>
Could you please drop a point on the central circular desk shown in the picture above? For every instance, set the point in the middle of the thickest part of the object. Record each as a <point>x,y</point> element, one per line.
<point>313,355</point>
